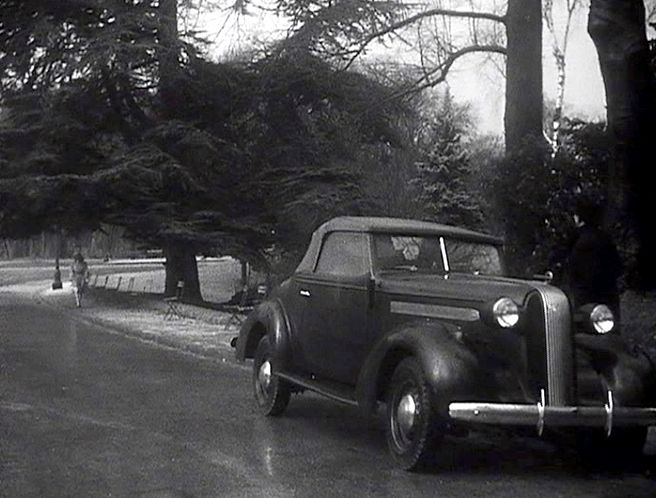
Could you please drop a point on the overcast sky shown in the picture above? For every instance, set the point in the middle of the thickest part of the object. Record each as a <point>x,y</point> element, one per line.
<point>483,87</point>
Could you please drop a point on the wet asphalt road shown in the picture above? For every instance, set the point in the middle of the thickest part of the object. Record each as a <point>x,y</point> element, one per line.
<point>85,412</point>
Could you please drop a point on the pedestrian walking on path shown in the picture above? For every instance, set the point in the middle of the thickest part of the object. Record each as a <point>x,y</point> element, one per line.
<point>79,277</point>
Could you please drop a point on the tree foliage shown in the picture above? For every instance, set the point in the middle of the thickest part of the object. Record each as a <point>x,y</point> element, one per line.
<point>444,168</point>
<point>538,195</point>
<point>186,154</point>
<point>434,37</point>
<point>315,125</point>
<point>49,145</point>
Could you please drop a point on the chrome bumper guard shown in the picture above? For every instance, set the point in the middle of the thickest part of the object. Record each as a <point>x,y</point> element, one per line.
<point>541,415</point>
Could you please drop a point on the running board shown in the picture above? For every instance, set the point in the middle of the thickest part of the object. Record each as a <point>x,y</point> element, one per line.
<point>332,390</point>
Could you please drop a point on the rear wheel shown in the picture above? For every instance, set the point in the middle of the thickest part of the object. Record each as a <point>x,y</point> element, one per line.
<point>271,393</point>
<point>412,429</point>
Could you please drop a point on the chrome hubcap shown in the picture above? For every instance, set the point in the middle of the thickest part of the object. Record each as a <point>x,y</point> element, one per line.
<point>264,375</point>
<point>405,413</point>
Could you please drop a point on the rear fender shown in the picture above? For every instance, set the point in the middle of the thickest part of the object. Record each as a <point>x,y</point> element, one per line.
<point>451,369</point>
<point>268,318</point>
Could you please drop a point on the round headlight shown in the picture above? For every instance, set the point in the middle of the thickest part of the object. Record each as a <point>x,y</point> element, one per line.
<point>602,319</point>
<point>505,312</point>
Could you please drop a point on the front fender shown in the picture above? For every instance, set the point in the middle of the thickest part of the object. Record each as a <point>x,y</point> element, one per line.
<point>269,318</point>
<point>628,373</point>
<point>451,369</point>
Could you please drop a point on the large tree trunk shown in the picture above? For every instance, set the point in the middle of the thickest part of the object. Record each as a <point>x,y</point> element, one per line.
<point>523,116</point>
<point>181,266</point>
<point>180,260</point>
<point>617,28</point>
<point>169,65</point>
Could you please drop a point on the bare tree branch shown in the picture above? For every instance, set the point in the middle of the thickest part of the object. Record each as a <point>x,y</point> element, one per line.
<point>431,13</point>
<point>470,15</point>
<point>438,75</point>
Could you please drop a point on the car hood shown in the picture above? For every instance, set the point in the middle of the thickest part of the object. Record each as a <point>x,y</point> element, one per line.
<point>456,286</point>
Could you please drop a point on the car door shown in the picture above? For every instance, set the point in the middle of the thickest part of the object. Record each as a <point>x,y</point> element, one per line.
<point>335,334</point>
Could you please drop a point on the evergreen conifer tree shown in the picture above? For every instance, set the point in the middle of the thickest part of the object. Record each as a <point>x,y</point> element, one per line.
<point>442,174</point>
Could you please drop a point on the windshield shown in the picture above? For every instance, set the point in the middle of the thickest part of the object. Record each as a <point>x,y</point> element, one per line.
<point>402,252</point>
<point>473,257</point>
<point>424,253</point>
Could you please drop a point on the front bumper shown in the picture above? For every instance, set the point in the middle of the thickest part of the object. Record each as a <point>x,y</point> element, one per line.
<point>541,415</point>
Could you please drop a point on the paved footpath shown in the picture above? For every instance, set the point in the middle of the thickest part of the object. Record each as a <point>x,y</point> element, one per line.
<point>200,330</point>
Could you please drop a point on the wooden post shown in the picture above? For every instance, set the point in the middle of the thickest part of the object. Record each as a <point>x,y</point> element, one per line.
<point>245,273</point>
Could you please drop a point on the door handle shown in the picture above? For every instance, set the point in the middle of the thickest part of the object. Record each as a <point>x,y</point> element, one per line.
<point>304,293</point>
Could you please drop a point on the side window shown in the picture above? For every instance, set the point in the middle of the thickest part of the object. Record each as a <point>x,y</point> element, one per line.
<point>343,254</point>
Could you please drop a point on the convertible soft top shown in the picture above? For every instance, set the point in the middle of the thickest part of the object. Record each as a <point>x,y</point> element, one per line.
<point>370,224</point>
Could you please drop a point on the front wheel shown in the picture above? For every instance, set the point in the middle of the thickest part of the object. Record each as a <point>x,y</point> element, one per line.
<point>412,428</point>
<point>271,393</point>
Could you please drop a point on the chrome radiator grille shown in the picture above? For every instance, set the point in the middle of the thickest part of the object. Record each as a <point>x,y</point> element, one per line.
<point>558,346</point>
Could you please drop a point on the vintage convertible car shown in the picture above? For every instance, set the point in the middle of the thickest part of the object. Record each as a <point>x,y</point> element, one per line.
<point>421,317</point>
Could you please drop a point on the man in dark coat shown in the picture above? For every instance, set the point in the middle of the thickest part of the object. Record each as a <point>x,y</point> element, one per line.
<point>594,264</point>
